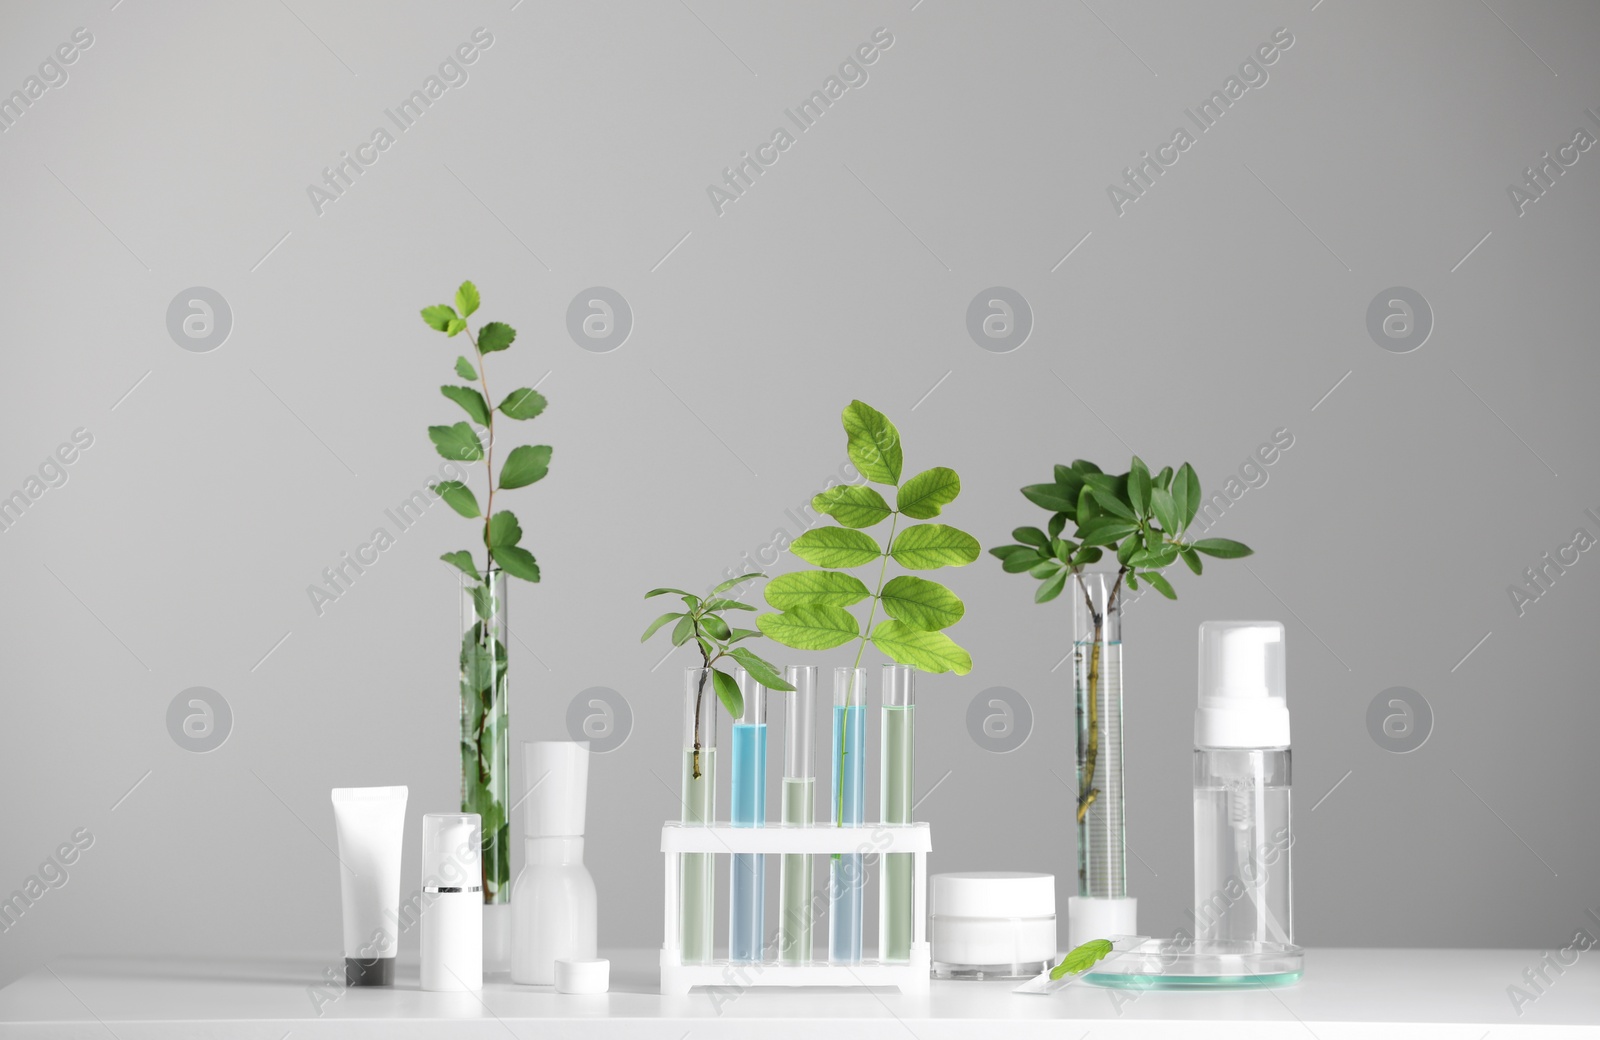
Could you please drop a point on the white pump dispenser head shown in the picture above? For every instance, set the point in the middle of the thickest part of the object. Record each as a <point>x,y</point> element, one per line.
<point>1243,688</point>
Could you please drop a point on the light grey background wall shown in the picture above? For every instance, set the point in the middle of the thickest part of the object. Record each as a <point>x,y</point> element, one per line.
<point>1229,302</point>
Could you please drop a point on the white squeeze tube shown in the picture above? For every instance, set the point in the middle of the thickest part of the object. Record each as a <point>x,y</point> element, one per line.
<point>372,824</point>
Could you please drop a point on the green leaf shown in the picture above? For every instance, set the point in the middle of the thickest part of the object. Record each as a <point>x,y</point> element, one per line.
<point>1047,568</point>
<point>1133,580</point>
<point>1053,497</point>
<point>715,627</point>
<point>458,497</point>
<point>760,670</point>
<point>1082,959</point>
<point>470,401</point>
<point>835,547</point>
<point>924,495</point>
<point>458,443</point>
<point>1086,555</point>
<point>1016,563</point>
<point>1190,558</point>
<point>516,561</point>
<point>496,335</point>
<point>1126,548</point>
<point>461,560</point>
<point>438,317</point>
<point>663,592</point>
<point>658,622</point>
<point>1159,582</point>
<point>464,369</point>
<point>874,443</point>
<point>1058,523</point>
<point>1152,558</point>
<point>1222,548</point>
<point>1139,487</point>
<point>456,326</point>
<point>1166,510</point>
<point>926,547</point>
<point>504,529</point>
<point>810,627</point>
<point>1088,507</point>
<point>728,692</point>
<point>731,582</point>
<point>1031,536</point>
<point>729,604</point>
<point>922,604</point>
<point>810,588</point>
<point>1162,479</point>
<point>1111,502</point>
<point>683,630</point>
<point>1106,530</point>
<point>467,299</point>
<point>852,506</point>
<point>925,651</point>
<point>1052,587</point>
<point>1186,495</point>
<point>525,465</point>
<point>1063,550</point>
<point>525,403</point>
<point>1084,466</point>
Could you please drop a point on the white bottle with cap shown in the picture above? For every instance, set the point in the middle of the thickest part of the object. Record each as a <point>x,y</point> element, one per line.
<point>452,902</point>
<point>1242,832</point>
<point>554,913</point>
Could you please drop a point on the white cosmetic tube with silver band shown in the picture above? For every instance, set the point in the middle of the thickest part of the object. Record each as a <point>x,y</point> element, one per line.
<point>452,902</point>
<point>372,826</point>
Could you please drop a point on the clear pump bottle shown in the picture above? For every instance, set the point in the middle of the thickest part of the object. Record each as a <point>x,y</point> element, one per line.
<point>1242,830</point>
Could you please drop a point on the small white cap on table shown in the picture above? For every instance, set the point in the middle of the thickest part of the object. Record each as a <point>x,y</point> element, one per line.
<point>585,976</point>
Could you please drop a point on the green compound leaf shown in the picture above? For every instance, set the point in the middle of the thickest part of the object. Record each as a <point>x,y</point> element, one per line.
<point>470,401</point>
<point>467,299</point>
<point>925,651</point>
<point>874,443</point>
<point>760,669</point>
<point>496,335</point>
<point>852,506</point>
<point>462,561</point>
<point>815,588</point>
<point>728,692</point>
<point>457,325</point>
<point>525,403</point>
<point>516,561</point>
<point>524,466</point>
<point>924,495</point>
<point>926,547</point>
<point>810,627</point>
<point>836,547</point>
<point>1082,959</point>
<point>458,497</point>
<point>922,604</point>
<point>438,317</point>
<point>1222,548</point>
<point>458,443</point>
<point>504,529</point>
<point>464,369</point>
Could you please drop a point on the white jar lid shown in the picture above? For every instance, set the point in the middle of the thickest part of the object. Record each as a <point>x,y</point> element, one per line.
<point>583,976</point>
<point>993,893</point>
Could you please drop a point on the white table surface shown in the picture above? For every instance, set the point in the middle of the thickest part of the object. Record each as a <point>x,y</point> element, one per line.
<point>1345,993</point>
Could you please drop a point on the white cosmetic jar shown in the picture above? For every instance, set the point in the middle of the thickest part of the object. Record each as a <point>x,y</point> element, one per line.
<point>992,924</point>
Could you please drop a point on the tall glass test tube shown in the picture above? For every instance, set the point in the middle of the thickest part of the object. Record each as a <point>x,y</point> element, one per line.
<point>799,806</point>
<point>748,872</point>
<point>896,895</point>
<point>698,870</point>
<point>847,880</point>
<point>1097,683</point>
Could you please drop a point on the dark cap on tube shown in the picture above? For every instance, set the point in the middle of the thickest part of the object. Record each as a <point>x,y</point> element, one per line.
<point>377,972</point>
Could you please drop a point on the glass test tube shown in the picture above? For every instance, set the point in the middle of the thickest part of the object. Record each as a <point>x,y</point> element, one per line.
<point>897,894</point>
<point>799,800</point>
<point>698,870</point>
<point>747,895</point>
<point>846,880</point>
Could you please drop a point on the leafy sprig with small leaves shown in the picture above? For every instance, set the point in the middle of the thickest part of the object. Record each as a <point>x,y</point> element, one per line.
<point>460,442</point>
<point>1144,519</point>
<point>701,620</point>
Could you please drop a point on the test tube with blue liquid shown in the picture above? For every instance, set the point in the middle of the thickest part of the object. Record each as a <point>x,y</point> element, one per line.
<point>749,797</point>
<point>846,880</point>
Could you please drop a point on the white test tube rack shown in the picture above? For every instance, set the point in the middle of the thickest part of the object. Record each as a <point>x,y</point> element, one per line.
<point>872,839</point>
